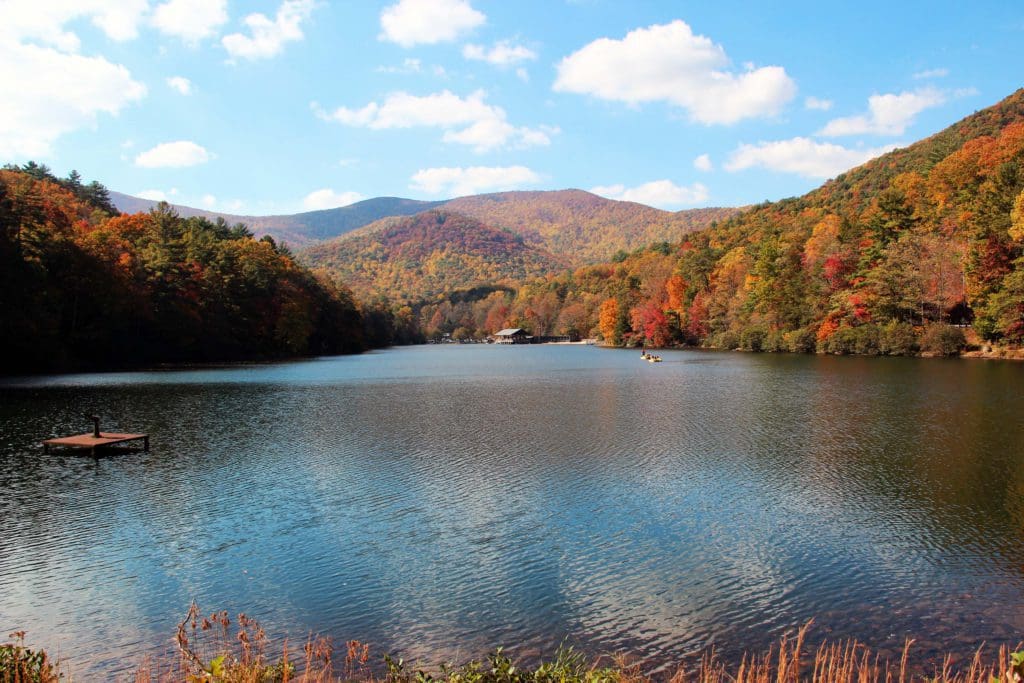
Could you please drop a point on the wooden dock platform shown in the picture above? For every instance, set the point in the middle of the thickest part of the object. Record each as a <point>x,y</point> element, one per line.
<point>92,442</point>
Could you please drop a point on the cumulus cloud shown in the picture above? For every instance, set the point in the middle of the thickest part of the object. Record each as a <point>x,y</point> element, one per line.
<point>703,163</point>
<point>32,20</point>
<point>208,200</point>
<point>155,195</point>
<point>802,156</point>
<point>502,53</point>
<point>466,120</point>
<point>426,22</point>
<point>887,114</point>
<point>45,93</point>
<point>268,37</point>
<point>181,84</point>
<point>456,182</point>
<point>329,199</point>
<point>177,154</point>
<point>931,73</point>
<point>663,194</point>
<point>817,103</point>
<point>190,20</point>
<point>669,63</point>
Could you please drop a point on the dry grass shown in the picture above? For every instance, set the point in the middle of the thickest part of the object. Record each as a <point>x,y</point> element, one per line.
<point>216,649</point>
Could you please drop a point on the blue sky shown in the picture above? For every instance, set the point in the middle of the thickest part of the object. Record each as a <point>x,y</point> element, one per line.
<point>283,106</point>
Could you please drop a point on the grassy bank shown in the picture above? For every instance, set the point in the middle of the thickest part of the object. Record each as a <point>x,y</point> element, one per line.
<point>217,649</point>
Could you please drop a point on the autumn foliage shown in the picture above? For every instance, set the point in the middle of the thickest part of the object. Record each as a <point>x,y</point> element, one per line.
<point>84,288</point>
<point>893,257</point>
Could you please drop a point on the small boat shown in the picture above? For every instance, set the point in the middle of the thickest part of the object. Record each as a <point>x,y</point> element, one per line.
<point>653,359</point>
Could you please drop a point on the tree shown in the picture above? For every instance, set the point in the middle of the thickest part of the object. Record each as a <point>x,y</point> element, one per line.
<point>608,319</point>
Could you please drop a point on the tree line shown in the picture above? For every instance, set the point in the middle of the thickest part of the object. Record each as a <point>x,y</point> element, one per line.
<point>86,287</point>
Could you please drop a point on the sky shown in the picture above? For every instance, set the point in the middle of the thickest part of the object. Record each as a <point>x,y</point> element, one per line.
<point>282,106</point>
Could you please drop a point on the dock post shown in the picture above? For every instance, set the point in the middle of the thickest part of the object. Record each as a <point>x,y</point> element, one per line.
<point>145,444</point>
<point>46,448</point>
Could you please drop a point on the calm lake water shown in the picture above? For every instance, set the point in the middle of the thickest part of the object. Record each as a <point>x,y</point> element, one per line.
<point>440,501</point>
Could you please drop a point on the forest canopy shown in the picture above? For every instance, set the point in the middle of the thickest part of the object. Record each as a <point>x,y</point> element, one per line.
<point>84,286</point>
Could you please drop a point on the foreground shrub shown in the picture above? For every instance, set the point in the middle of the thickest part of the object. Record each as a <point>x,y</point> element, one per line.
<point>944,340</point>
<point>863,340</point>
<point>898,339</point>
<point>753,338</point>
<point>727,341</point>
<point>775,342</point>
<point>212,653</point>
<point>19,664</point>
<point>804,340</point>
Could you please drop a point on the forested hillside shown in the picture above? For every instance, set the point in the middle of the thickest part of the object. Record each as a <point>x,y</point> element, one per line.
<point>581,226</point>
<point>84,287</point>
<point>300,229</point>
<point>435,252</point>
<point>901,254</point>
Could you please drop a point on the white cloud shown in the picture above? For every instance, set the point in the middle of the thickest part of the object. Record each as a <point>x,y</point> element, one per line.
<point>931,73</point>
<point>208,200</point>
<point>329,199</point>
<point>181,84</point>
<point>153,195</point>
<point>802,156</point>
<point>817,103</point>
<point>177,154</point>
<point>190,20</point>
<point>466,120</point>
<point>668,63</point>
<point>663,194</point>
<point>409,66</point>
<point>523,75</point>
<point>32,20</point>
<point>158,195</point>
<point>887,114</point>
<point>45,94</point>
<point>502,53</point>
<point>703,163</point>
<point>268,37</point>
<point>457,182</point>
<point>425,22</point>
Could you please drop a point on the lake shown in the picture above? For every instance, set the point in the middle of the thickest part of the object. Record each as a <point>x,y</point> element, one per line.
<point>439,501</point>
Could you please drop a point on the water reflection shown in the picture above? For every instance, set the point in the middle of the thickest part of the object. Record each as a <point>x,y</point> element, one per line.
<point>446,500</point>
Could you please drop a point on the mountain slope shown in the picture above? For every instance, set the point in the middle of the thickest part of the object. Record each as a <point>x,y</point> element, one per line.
<point>895,256</point>
<point>297,230</point>
<point>573,223</point>
<point>582,226</point>
<point>431,253</point>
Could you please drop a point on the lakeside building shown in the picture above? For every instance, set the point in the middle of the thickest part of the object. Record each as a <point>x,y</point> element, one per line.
<point>512,335</point>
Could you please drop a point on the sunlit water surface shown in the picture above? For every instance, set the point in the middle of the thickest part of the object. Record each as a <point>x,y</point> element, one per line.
<point>440,501</point>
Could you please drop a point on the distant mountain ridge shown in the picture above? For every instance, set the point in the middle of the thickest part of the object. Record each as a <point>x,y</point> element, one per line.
<point>300,229</point>
<point>429,254</point>
<point>581,226</point>
<point>575,223</point>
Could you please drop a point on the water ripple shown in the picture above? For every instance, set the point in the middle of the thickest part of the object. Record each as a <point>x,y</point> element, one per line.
<point>445,501</point>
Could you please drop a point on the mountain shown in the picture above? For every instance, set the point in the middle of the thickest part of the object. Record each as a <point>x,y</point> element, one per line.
<point>581,226</point>
<point>429,254</point>
<point>921,249</point>
<point>297,230</point>
<point>573,223</point>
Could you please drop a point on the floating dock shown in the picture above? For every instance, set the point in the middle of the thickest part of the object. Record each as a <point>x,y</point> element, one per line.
<point>94,440</point>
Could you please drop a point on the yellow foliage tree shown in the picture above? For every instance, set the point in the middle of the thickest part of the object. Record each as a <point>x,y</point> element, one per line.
<point>608,318</point>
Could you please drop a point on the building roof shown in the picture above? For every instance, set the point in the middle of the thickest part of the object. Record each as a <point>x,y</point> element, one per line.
<point>509,332</point>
